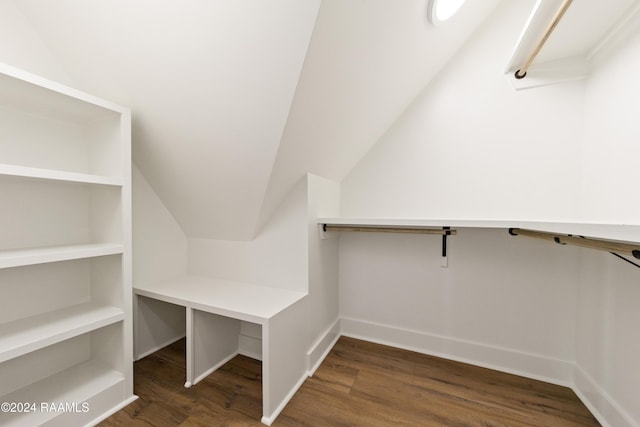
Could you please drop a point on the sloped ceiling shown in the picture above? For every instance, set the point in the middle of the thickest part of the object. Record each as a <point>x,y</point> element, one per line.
<point>367,61</point>
<point>585,25</point>
<point>575,45</point>
<point>209,82</point>
<point>218,131</point>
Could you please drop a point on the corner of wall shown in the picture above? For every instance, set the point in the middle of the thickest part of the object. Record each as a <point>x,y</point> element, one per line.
<point>455,142</point>
<point>276,257</point>
<point>323,197</point>
<point>606,374</point>
<point>159,244</point>
<point>159,253</point>
<point>21,46</point>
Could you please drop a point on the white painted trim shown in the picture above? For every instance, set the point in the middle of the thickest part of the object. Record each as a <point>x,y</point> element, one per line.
<point>552,72</point>
<point>112,411</point>
<point>618,32</point>
<point>250,354</point>
<point>268,420</point>
<point>159,347</point>
<point>530,365</point>
<point>599,402</point>
<point>321,348</point>
<point>526,38</point>
<point>211,370</point>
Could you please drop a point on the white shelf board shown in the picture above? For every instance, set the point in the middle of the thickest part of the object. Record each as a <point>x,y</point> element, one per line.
<point>74,385</point>
<point>244,301</point>
<point>22,336</point>
<point>618,232</point>
<point>51,174</point>
<point>33,93</point>
<point>22,257</point>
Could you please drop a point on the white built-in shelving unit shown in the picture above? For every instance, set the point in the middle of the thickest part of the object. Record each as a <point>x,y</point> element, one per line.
<point>65,252</point>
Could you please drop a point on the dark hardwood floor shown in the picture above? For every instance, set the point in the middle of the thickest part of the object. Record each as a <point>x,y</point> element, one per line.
<point>358,384</point>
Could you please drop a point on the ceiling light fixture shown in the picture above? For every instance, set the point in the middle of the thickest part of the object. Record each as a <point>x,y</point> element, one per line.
<point>441,10</point>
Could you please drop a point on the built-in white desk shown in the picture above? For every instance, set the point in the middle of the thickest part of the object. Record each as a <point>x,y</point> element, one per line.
<point>214,309</point>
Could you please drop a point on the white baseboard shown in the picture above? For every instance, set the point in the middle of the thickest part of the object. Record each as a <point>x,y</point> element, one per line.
<point>315,356</point>
<point>599,402</point>
<point>269,420</point>
<point>515,362</point>
<point>322,347</point>
<point>159,347</point>
<point>210,371</point>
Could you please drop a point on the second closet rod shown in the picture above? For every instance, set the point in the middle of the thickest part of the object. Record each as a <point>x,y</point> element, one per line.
<point>604,245</point>
<point>522,72</point>
<point>412,230</point>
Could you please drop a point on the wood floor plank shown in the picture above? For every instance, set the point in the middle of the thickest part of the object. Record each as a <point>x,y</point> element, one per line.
<point>503,390</point>
<point>336,376</point>
<point>158,381</point>
<point>143,413</point>
<point>358,384</point>
<point>174,353</point>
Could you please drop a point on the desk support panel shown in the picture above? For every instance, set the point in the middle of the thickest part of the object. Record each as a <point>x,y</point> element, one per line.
<point>212,341</point>
<point>215,310</point>
<point>284,351</point>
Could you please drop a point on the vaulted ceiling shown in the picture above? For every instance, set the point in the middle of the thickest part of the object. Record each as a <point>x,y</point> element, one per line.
<point>209,83</point>
<point>234,100</point>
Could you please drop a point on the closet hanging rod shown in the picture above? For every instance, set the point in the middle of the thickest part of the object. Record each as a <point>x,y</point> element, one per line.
<point>413,230</point>
<point>522,71</point>
<point>604,245</point>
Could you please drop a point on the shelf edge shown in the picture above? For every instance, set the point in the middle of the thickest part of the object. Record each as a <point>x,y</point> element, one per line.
<point>20,258</point>
<point>58,175</point>
<point>91,317</point>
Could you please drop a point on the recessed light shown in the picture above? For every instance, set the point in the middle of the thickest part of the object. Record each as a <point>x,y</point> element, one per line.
<point>441,10</point>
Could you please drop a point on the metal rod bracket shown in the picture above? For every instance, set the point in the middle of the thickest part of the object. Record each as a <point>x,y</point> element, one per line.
<point>445,234</point>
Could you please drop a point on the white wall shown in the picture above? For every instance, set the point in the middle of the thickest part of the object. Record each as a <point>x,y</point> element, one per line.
<point>323,201</point>
<point>159,245</point>
<point>277,257</point>
<point>471,147</point>
<point>159,253</point>
<point>610,148</point>
<point>608,366</point>
<point>503,301</point>
<point>607,374</point>
<point>21,46</point>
